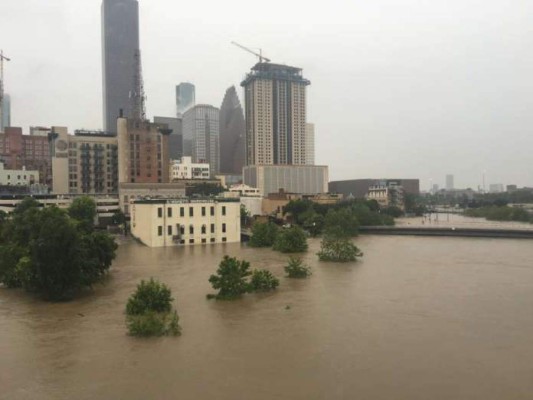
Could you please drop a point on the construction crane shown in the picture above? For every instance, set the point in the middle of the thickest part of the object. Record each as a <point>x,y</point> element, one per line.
<point>260,54</point>
<point>2,59</point>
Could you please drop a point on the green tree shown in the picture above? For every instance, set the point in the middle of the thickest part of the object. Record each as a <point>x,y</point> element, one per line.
<point>338,249</point>
<point>149,311</point>
<point>312,222</point>
<point>343,219</point>
<point>230,279</point>
<point>83,210</point>
<point>291,240</point>
<point>297,269</point>
<point>263,235</point>
<point>263,281</point>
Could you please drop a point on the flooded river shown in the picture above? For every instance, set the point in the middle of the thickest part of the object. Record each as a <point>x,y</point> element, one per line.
<point>417,318</point>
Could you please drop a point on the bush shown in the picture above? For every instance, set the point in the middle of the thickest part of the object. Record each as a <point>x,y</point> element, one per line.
<point>263,235</point>
<point>296,268</point>
<point>263,281</point>
<point>230,280</point>
<point>343,219</point>
<point>149,311</point>
<point>339,249</point>
<point>151,296</point>
<point>291,240</point>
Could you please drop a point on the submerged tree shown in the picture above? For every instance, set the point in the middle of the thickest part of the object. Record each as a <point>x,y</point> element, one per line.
<point>291,240</point>
<point>230,279</point>
<point>264,235</point>
<point>297,269</point>
<point>149,311</point>
<point>339,249</point>
<point>263,281</point>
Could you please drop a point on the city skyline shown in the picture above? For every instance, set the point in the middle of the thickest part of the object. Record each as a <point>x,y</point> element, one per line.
<point>395,106</point>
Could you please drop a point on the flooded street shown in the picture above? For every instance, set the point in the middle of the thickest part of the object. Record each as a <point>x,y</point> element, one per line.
<point>417,318</point>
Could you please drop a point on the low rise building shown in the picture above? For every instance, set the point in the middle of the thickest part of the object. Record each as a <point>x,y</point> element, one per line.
<point>251,198</point>
<point>358,188</point>
<point>183,221</point>
<point>129,192</point>
<point>301,179</point>
<point>387,195</point>
<point>186,169</point>
<point>18,177</point>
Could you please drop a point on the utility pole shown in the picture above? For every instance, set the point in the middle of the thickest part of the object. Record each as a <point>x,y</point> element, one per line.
<point>2,59</point>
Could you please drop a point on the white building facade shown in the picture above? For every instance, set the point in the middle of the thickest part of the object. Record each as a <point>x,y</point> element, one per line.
<point>18,177</point>
<point>186,169</point>
<point>184,222</point>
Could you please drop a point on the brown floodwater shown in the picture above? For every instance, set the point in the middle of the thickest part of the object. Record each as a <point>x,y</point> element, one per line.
<point>417,318</point>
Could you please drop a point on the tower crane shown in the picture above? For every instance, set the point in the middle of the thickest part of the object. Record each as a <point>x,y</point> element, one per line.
<point>260,54</point>
<point>2,59</point>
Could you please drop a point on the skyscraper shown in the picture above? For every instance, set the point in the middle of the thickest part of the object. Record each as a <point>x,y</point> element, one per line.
<point>449,182</point>
<point>232,134</point>
<point>5,118</point>
<point>201,133</point>
<point>310,144</point>
<point>120,44</point>
<point>275,109</point>
<point>185,98</point>
<point>175,140</point>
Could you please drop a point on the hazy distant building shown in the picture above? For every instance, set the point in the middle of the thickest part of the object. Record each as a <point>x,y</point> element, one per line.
<point>186,169</point>
<point>185,98</point>
<point>232,134</point>
<point>275,110</point>
<point>387,194</point>
<point>310,144</point>
<point>201,132</point>
<point>301,179</point>
<point>175,140</point>
<point>5,118</point>
<point>449,182</point>
<point>496,188</point>
<point>142,152</point>
<point>120,42</point>
<point>358,188</point>
<point>511,188</point>
<point>434,188</point>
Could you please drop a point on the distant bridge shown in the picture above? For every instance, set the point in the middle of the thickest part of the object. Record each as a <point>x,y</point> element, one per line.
<point>457,232</point>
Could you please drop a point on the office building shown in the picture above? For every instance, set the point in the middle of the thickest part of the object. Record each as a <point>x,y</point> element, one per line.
<point>83,163</point>
<point>29,151</point>
<point>358,188</point>
<point>185,98</point>
<point>143,155</point>
<point>232,134</point>
<point>5,118</point>
<point>449,182</point>
<point>186,169</point>
<point>174,222</point>
<point>275,111</point>
<point>18,177</point>
<point>310,144</point>
<point>387,194</point>
<point>496,188</point>
<point>299,179</point>
<point>175,140</point>
<point>120,44</point>
<point>201,130</point>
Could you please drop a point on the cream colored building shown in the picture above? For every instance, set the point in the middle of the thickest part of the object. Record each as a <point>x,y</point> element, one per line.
<point>186,169</point>
<point>129,192</point>
<point>251,198</point>
<point>183,222</point>
<point>387,195</point>
<point>18,177</point>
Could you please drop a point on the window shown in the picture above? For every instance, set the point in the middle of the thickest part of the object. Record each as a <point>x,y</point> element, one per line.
<point>204,229</point>
<point>224,240</point>
<point>182,211</point>
<point>169,212</point>
<point>191,230</point>
<point>212,240</point>
<point>169,230</point>
<point>191,212</point>
<point>182,230</point>
<point>159,231</point>
<point>212,228</point>
<point>191,241</point>
<point>204,240</point>
<point>223,228</point>
<point>212,211</point>
<point>203,211</point>
<point>223,210</point>
<point>160,212</point>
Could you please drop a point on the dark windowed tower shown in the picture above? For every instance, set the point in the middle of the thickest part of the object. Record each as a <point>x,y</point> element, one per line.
<point>232,134</point>
<point>120,43</point>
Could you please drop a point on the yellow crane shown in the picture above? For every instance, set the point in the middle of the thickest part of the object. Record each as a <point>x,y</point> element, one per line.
<point>260,54</point>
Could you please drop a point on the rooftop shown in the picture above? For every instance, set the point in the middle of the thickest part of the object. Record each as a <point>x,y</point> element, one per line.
<point>275,72</point>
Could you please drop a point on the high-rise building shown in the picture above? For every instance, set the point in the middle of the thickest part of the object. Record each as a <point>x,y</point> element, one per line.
<point>232,134</point>
<point>275,110</point>
<point>310,144</point>
<point>449,182</point>
<point>201,133</point>
<point>185,98</point>
<point>142,152</point>
<point>175,140</point>
<point>5,118</point>
<point>120,44</point>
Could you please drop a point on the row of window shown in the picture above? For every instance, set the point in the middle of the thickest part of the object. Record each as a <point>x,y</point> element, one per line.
<point>181,229</point>
<point>191,211</point>
<point>212,240</point>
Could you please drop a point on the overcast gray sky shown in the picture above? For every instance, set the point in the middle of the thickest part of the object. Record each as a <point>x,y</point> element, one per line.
<point>400,88</point>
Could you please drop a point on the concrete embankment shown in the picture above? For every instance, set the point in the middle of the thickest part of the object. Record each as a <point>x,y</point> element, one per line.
<point>447,231</point>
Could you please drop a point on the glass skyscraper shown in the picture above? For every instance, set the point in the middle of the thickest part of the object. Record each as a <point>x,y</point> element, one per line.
<point>185,98</point>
